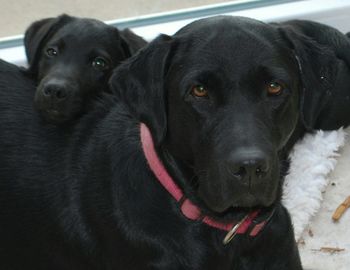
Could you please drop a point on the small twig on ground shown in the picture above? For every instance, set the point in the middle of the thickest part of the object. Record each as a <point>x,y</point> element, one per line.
<point>311,233</point>
<point>301,241</point>
<point>341,209</point>
<point>330,250</point>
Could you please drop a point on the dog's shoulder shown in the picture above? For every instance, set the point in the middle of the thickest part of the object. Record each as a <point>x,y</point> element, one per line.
<point>16,85</point>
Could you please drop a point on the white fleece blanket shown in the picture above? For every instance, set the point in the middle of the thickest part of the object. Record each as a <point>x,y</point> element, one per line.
<point>311,199</point>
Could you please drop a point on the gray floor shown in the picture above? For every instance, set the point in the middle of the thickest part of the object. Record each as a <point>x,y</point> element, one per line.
<point>16,15</point>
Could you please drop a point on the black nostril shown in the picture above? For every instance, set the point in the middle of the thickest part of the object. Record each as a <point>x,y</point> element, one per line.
<point>240,173</point>
<point>61,94</point>
<point>55,91</point>
<point>255,167</point>
<point>260,172</point>
<point>47,91</point>
<point>249,164</point>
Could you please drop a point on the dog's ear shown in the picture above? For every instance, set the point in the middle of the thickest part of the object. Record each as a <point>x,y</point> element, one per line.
<point>131,42</point>
<point>318,67</point>
<point>139,83</point>
<point>36,36</point>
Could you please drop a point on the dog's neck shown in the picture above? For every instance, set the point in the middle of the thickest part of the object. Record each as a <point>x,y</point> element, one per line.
<point>187,207</point>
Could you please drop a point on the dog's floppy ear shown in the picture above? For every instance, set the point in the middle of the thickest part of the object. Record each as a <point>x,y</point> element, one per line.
<point>36,36</point>
<point>139,83</point>
<point>317,67</point>
<point>131,42</point>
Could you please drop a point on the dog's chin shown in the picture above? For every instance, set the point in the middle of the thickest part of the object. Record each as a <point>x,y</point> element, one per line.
<point>238,209</point>
<point>238,213</point>
<point>53,115</point>
<point>58,112</point>
<point>251,201</point>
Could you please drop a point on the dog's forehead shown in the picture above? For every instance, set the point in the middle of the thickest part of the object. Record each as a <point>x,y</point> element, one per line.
<point>228,27</point>
<point>223,39</point>
<point>221,22</point>
<point>86,32</point>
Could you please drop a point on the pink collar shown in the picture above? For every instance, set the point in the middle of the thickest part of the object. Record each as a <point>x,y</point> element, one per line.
<point>188,209</point>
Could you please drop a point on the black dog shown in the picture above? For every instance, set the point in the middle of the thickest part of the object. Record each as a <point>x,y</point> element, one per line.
<point>222,98</point>
<point>72,59</point>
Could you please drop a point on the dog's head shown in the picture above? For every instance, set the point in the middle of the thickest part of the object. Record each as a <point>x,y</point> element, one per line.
<point>72,58</point>
<point>222,97</point>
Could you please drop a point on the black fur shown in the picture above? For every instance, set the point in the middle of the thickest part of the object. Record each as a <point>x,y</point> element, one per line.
<point>68,80</point>
<point>324,55</point>
<point>83,196</point>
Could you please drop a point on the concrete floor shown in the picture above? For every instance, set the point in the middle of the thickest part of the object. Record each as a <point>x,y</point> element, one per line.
<point>16,15</point>
<point>322,231</point>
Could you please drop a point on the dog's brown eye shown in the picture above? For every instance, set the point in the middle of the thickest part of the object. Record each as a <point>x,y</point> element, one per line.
<point>51,52</point>
<point>99,63</point>
<point>274,88</point>
<point>199,91</point>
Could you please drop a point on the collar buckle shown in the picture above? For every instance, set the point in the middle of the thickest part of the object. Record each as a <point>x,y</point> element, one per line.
<point>232,233</point>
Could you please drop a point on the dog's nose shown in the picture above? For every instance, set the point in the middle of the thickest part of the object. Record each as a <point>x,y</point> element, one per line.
<point>55,91</point>
<point>249,165</point>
